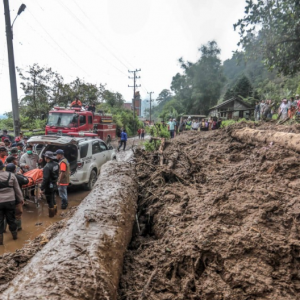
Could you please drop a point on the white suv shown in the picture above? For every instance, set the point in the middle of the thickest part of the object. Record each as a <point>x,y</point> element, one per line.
<point>85,155</point>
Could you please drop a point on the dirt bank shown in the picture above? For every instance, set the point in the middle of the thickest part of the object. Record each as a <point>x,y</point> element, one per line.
<point>84,261</point>
<point>219,220</point>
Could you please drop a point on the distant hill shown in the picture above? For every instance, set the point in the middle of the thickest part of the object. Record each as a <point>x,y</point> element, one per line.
<point>3,117</point>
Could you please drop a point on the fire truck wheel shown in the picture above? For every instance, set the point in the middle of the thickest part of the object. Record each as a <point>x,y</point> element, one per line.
<point>93,178</point>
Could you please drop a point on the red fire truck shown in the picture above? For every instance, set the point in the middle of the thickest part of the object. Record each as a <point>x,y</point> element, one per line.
<point>78,122</point>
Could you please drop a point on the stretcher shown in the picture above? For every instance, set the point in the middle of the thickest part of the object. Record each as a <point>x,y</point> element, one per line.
<point>35,178</point>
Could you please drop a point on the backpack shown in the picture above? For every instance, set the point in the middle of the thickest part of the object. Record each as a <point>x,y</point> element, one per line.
<point>5,184</point>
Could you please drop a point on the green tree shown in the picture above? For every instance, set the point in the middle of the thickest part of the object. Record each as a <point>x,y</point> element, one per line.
<point>278,40</point>
<point>199,88</point>
<point>164,96</point>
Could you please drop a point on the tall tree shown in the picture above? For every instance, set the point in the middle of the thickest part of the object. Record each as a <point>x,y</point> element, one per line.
<point>199,88</point>
<point>278,38</point>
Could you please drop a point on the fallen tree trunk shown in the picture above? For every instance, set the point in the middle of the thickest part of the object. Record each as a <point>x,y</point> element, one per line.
<point>85,260</point>
<point>287,140</point>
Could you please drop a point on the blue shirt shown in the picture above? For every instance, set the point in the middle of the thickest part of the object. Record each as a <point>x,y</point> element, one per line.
<point>123,136</point>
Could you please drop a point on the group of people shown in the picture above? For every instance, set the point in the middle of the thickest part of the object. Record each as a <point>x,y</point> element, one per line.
<point>195,124</point>
<point>141,133</point>
<point>77,103</point>
<point>265,109</point>
<point>15,164</point>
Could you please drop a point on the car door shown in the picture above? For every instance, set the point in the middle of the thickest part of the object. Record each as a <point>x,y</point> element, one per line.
<point>98,155</point>
<point>105,151</point>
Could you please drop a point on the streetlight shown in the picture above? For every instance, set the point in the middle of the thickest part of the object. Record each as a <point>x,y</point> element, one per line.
<point>11,63</point>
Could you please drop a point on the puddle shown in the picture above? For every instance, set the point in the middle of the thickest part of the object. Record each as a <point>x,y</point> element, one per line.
<point>35,220</point>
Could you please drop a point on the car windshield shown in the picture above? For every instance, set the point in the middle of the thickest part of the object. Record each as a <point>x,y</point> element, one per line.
<point>63,120</point>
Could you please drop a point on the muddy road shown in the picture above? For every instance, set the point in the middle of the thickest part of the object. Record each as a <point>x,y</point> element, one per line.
<point>35,220</point>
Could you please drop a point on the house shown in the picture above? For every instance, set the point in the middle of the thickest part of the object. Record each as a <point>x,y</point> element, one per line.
<point>234,108</point>
<point>127,105</point>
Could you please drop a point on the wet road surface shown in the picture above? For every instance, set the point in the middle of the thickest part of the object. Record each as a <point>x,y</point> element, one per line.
<point>35,220</point>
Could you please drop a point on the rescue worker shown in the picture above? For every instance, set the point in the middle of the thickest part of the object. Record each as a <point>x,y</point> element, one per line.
<point>3,154</point>
<point>20,147</point>
<point>10,196</point>
<point>76,103</point>
<point>22,180</point>
<point>29,160</point>
<point>63,178</point>
<point>50,177</point>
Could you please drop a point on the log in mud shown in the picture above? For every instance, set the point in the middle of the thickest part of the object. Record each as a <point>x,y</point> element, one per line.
<point>84,261</point>
<point>287,140</point>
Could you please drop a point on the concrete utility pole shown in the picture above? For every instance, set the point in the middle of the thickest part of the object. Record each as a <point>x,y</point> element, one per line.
<point>134,86</point>
<point>150,104</point>
<point>12,68</point>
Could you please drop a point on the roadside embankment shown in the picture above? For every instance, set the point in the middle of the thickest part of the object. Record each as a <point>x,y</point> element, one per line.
<point>84,261</point>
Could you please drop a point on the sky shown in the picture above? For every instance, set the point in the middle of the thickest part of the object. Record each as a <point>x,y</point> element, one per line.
<point>100,40</point>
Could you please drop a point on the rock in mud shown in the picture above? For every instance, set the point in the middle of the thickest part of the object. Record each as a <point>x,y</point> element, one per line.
<point>84,261</point>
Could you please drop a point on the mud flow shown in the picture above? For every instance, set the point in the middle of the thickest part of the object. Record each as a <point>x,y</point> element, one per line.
<point>219,220</point>
<point>35,220</point>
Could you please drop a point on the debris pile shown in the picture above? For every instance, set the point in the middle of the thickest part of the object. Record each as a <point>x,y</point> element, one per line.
<point>220,219</point>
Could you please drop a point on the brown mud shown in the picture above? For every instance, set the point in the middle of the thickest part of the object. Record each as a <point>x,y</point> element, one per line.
<point>220,220</point>
<point>84,260</point>
<point>36,220</point>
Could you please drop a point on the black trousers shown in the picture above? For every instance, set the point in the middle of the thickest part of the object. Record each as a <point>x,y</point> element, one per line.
<point>7,210</point>
<point>50,197</point>
<point>122,143</point>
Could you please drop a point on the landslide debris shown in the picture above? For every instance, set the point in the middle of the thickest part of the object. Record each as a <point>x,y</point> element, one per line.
<point>219,220</point>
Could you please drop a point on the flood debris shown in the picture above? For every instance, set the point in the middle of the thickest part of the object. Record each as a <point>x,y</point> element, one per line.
<point>84,260</point>
<point>219,219</point>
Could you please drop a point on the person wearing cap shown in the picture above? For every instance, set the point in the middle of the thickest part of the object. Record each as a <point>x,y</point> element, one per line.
<point>188,124</point>
<point>22,180</point>
<point>29,160</point>
<point>10,195</point>
<point>63,178</point>
<point>49,184</point>
<point>12,159</point>
<point>3,154</point>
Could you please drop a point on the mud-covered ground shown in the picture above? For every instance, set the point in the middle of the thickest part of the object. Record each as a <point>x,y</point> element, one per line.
<point>219,220</point>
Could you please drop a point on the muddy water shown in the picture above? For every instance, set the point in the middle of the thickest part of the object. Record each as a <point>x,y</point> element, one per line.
<point>35,220</point>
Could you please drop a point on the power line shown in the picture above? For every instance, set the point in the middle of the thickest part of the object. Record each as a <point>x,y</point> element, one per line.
<point>95,26</point>
<point>57,43</point>
<point>134,95</point>
<point>96,38</point>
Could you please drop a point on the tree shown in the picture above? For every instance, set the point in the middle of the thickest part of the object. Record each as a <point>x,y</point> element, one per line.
<point>278,40</point>
<point>199,88</point>
<point>242,89</point>
<point>113,99</point>
<point>164,96</point>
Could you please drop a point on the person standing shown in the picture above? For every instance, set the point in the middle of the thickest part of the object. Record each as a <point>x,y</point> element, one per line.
<point>22,180</point>
<point>50,177</point>
<point>63,178</point>
<point>171,126</point>
<point>139,133</point>
<point>10,195</point>
<point>29,160</point>
<point>261,108</point>
<point>283,109</point>
<point>188,124</point>
<point>3,154</point>
<point>142,133</point>
<point>257,111</point>
<point>123,139</point>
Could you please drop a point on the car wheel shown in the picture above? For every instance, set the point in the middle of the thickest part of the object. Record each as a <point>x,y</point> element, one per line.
<point>93,178</point>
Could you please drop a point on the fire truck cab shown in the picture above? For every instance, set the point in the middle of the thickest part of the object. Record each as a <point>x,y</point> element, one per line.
<point>76,121</point>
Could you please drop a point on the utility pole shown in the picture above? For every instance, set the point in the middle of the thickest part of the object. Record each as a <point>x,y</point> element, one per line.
<point>150,93</point>
<point>12,68</point>
<point>134,87</point>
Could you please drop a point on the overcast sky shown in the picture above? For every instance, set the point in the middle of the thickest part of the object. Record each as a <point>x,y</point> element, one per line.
<point>99,40</point>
